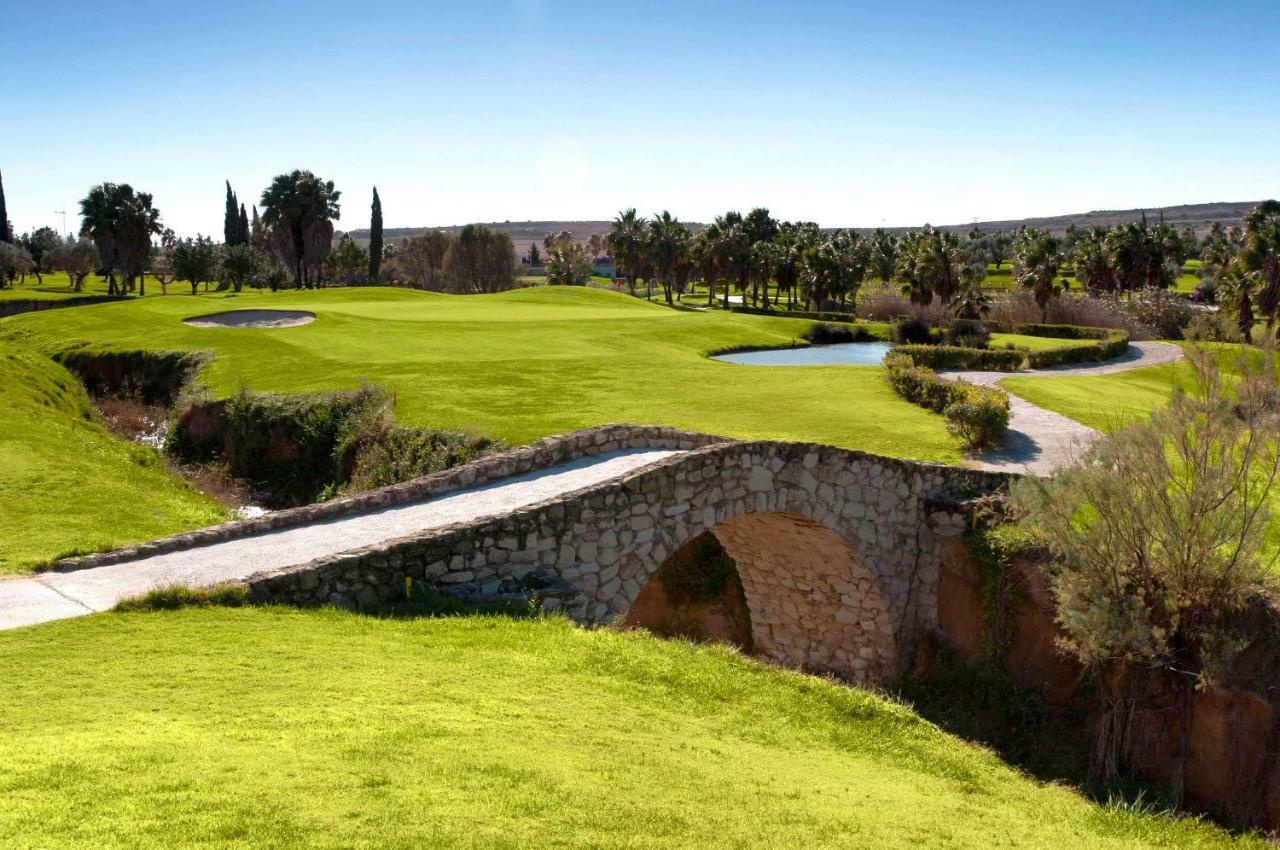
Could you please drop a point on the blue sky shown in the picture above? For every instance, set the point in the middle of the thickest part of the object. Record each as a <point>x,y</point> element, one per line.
<point>846,113</point>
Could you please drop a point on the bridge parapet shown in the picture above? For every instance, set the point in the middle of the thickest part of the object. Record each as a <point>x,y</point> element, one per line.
<point>592,551</point>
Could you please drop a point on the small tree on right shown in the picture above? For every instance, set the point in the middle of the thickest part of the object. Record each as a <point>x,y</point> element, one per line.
<point>1158,538</point>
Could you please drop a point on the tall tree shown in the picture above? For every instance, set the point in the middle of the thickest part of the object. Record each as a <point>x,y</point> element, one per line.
<point>302,207</point>
<point>375,237</point>
<point>231,219</point>
<point>243,235</point>
<point>1037,256</point>
<point>195,261</point>
<point>6,229</point>
<point>667,247</point>
<point>121,223</point>
<point>38,244</point>
<point>626,243</point>
<point>1260,255</point>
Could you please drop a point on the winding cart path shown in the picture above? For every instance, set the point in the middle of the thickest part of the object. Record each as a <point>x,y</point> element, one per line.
<point>1039,440</point>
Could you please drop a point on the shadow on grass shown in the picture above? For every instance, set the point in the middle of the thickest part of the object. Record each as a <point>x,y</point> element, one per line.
<point>985,706</point>
<point>421,603</point>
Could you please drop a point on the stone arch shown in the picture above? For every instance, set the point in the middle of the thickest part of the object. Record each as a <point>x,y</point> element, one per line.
<point>810,601</point>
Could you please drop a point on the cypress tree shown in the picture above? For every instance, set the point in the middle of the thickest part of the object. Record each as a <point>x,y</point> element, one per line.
<point>256,236</point>
<point>231,219</point>
<point>6,232</point>
<point>375,236</point>
<point>244,227</point>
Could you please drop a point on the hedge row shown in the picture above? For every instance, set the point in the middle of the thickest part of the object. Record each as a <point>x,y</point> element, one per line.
<point>816,315</point>
<point>960,357</point>
<point>1115,344</point>
<point>979,416</point>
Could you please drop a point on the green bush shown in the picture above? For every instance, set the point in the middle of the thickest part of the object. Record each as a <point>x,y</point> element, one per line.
<point>917,384</point>
<point>299,449</point>
<point>830,333</point>
<point>399,454</point>
<point>909,330</point>
<point>957,357</point>
<point>979,416</point>
<point>176,596</point>
<point>967,333</point>
<point>1113,344</point>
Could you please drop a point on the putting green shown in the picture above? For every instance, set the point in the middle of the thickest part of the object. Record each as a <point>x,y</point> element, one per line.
<point>519,365</point>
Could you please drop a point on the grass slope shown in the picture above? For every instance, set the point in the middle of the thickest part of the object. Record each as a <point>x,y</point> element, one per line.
<point>56,286</point>
<point>522,364</point>
<point>68,485</point>
<point>278,728</point>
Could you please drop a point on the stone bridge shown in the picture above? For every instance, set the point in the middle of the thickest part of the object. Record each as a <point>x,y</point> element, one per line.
<point>837,552</point>
<point>810,556</point>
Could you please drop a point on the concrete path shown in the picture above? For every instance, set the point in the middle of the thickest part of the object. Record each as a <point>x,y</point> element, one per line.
<point>55,596</point>
<point>1040,440</point>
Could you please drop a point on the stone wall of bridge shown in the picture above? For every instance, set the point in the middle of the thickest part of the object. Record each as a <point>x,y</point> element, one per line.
<point>838,551</point>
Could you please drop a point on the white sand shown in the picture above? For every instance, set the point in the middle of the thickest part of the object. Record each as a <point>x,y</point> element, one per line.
<point>252,319</point>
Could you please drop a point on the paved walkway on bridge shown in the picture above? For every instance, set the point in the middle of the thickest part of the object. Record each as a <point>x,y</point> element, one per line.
<point>56,596</point>
<point>1040,440</point>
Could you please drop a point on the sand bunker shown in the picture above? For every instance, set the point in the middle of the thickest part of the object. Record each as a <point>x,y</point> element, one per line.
<point>252,319</point>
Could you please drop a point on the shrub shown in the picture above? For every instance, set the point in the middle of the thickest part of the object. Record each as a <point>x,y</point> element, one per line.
<point>1206,291</point>
<point>1158,533</point>
<point>1114,344</point>
<point>829,333</point>
<point>1212,327</point>
<point>977,415</point>
<point>699,572</point>
<point>884,303</point>
<point>967,333</point>
<point>1162,311</point>
<point>299,449</point>
<point>176,596</point>
<point>956,357</point>
<point>916,384</point>
<point>399,454</point>
<point>909,330</point>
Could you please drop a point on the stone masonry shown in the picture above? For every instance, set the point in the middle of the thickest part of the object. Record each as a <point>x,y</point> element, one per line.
<point>858,613</point>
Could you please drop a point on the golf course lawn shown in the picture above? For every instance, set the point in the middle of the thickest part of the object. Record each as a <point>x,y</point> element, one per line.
<point>283,728</point>
<point>519,365</point>
<point>68,485</point>
<point>1109,402</point>
<point>56,286</point>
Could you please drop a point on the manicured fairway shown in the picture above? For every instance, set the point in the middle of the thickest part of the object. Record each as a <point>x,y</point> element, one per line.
<point>522,364</point>
<point>277,728</point>
<point>1107,402</point>
<point>66,484</point>
<point>56,287</point>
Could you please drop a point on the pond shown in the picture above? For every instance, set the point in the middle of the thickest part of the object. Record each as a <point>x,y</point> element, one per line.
<point>843,354</point>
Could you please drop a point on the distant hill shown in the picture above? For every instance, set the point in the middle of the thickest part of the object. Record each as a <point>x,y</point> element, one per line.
<point>1199,216</point>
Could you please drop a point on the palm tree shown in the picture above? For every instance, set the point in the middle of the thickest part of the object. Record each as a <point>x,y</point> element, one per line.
<point>303,206</point>
<point>884,254</point>
<point>98,223</point>
<point>1091,259</point>
<point>1238,284</point>
<point>626,243</point>
<point>1037,256</point>
<point>916,285</point>
<point>121,223</point>
<point>137,222</point>
<point>704,252</point>
<point>1260,255</point>
<point>667,248</point>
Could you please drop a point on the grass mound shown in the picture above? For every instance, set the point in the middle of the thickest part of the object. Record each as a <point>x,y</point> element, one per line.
<point>271,727</point>
<point>519,365</point>
<point>68,486</point>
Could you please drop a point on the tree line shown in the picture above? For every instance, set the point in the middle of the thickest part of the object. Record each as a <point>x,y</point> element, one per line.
<point>797,263</point>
